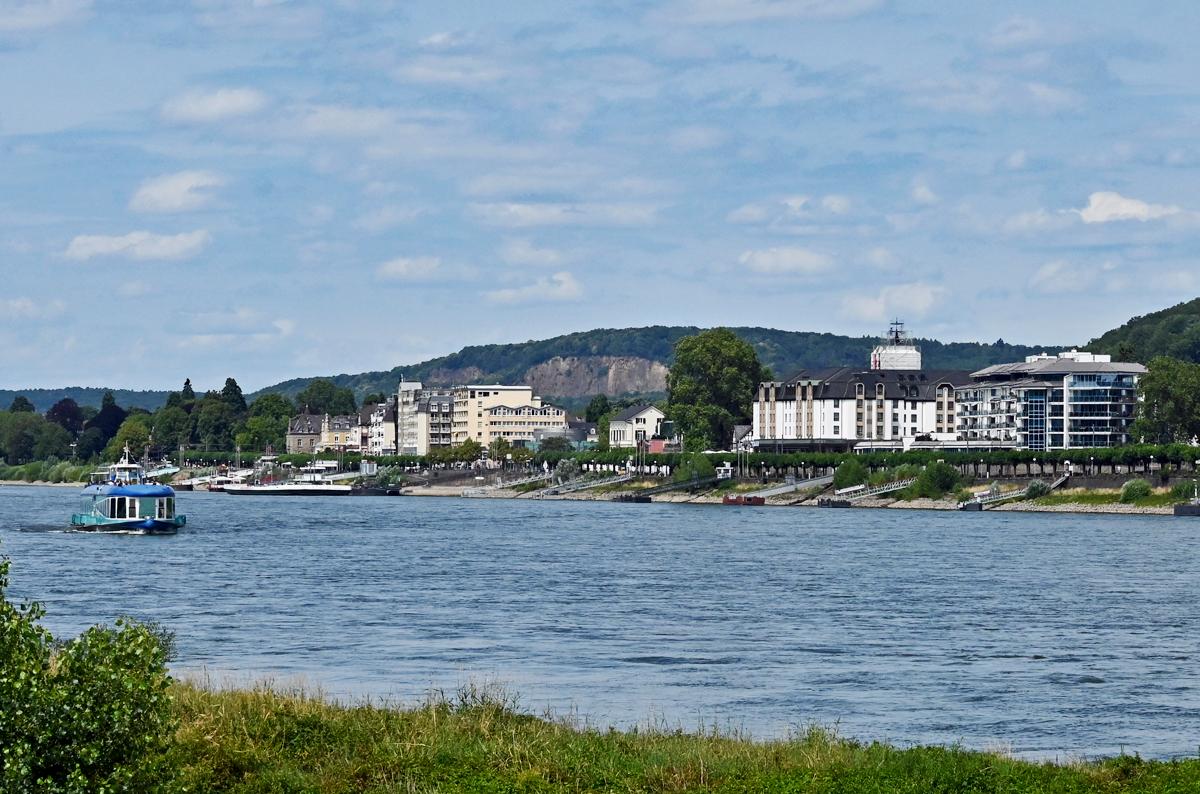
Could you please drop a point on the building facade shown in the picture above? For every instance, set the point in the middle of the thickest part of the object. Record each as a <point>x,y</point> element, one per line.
<point>1068,401</point>
<point>519,424</point>
<point>304,433</point>
<point>381,434</point>
<point>635,424</point>
<point>840,408</point>
<point>472,404</point>
<point>435,419</point>
<point>339,433</point>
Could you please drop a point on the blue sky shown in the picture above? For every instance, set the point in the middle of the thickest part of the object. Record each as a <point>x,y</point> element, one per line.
<point>268,189</point>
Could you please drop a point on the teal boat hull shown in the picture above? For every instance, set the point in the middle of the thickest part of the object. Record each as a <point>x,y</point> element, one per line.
<point>127,526</point>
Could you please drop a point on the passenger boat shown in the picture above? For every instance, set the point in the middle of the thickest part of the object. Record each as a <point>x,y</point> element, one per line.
<point>122,499</point>
<point>310,482</point>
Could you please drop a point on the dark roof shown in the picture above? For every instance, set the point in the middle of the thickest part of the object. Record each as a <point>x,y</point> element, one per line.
<point>629,413</point>
<point>308,424</point>
<point>588,426</point>
<point>840,382</point>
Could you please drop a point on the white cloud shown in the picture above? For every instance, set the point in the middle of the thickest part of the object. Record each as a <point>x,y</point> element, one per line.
<point>179,192</point>
<point>561,287</point>
<point>1038,220</point>
<point>285,326</point>
<point>456,70</point>
<point>387,217</point>
<point>987,95</point>
<point>1017,160</point>
<point>1014,32</point>
<point>1177,282</point>
<point>202,106</point>
<point>881,257</point>
<point>780,261</point>
<point>922,194</point>
<point>747,213</point>
<point>1061,276</point>
<point>565,214</point>
<point>24,308</point>
<point>421,268</point>
<point>910,300</point>
<point>721,12</point>
<point>338,121</point>
<point>839,205</point>
<point>1106,206</point>
<point>19,16</point>
<point>135,289</point>
<point>697,138</point>
<point>139,245</point>
<point>522,252</point>
<point>795,204</point>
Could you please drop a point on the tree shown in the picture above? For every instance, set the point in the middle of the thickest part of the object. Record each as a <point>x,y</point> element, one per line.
<point>170,427</point>
<point>21,405</point>
<point>467,452</point>
<point>850,472</point>
<point>91,442</point>
<point>108,400</point>
<point>260,431</point>
<point>597,408</point>
<point>188,394</point>
<point>67,414</point>
<point>322,397</point>
<point>272,406</point>
<point>174,400</point>
<point>556,444</point>
<point>88,412</point>
<point>499,448</point>
<point>108,421</point>
<point>215,424</point>
<point>232,396</point>
<point>711,387</point>
<point>1169,410</point>
<point>379,398</point>
<point>53,441</point>
<point>134,433</point>
<point>19,435</point>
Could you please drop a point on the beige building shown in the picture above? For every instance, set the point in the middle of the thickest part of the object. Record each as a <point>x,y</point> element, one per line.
<point>339,432</point>
<point>303,435</point>
<point>476,416</point>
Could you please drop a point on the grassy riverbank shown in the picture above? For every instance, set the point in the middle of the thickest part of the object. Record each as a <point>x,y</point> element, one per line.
<point>271,741</point>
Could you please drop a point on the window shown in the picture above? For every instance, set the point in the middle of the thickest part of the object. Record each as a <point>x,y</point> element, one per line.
<point>895,418</point>
<point>860,416</point>
<point>914,419</point>
<point>837,403</point>
<point>836,417</point>
<point>860,403</point>
<point>836,430</point>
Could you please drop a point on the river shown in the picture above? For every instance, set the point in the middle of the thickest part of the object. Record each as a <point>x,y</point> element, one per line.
<point>1053,635</point>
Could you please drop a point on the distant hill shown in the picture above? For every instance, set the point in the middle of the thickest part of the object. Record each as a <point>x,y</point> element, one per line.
<point>635,360</point>
<point>1173,332</point>
<point>42,399</point>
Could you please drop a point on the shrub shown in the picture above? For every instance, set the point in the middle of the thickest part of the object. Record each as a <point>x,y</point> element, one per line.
<point>851,472</point>
<point>1184,490</point>
<point>1037,489</point>
<point>32,472</point>
<point>936,480</point>
<point>88,715</point>
<point>695,465</point>
<point>1135,490</point>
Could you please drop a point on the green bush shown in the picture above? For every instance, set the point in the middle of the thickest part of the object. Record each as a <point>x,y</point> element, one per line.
<point>695,465</point>
<point>1037,489</point>
<point>32,472</point>
<point>936,480</point>
<point>1184,490</point>
<point>851,472</point>
<point>91,715</point>
<point>1135,490</point>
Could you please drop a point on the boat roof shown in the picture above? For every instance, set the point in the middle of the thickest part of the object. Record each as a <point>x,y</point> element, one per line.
<point>129,490</point>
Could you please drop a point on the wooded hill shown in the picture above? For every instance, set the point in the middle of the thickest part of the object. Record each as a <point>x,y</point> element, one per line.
<point>1173,332</point>
<point>784,352</point>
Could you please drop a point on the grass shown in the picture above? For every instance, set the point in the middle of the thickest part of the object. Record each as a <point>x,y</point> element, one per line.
<point>1161,498</point>
<point>267,740</point>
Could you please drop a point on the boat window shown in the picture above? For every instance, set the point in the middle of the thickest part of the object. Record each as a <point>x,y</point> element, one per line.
<point>146,507</point>
<point>119,504</point>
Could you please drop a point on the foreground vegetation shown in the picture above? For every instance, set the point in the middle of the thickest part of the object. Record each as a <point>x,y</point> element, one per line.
<point>99,714</point>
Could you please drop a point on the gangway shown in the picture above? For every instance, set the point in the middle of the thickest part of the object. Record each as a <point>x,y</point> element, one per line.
<point>486,489</point>
<point>581,484</point>
<point>991,497</point>
<point>887,487</point>
<point>776,490</point>
<point>645,493</point>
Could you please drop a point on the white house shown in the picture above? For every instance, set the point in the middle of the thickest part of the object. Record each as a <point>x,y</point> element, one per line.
<point>639,423</point>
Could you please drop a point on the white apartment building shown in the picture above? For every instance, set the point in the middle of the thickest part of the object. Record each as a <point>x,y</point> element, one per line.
<point>843,408</point>
<point>435,419</point>
<point>518,424</point>
<point>1067,401</point>
<point>473,414</point>
<point>381,431</point>
<point>638,423</point>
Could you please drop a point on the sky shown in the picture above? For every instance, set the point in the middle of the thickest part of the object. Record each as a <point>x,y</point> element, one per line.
<point>268,189</point>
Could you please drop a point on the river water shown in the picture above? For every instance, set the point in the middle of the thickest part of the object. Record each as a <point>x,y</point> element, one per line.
<point>1050,634</point>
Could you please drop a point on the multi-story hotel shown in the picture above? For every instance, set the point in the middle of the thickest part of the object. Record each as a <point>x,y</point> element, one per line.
<point>890,406</point>
<point>1067,401</point>
<point>485,413</point>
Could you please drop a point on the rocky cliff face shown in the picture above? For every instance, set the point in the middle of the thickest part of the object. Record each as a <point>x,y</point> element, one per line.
<point>612,375</point>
